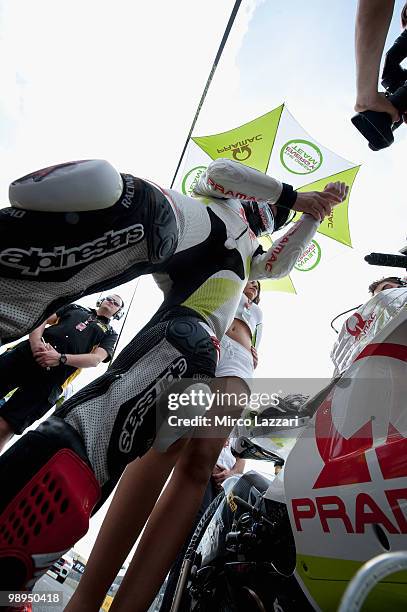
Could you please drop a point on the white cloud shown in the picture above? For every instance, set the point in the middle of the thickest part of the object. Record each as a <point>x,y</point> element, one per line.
<point>103,79</point>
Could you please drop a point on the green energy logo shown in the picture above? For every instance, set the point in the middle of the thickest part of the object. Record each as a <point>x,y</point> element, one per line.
<point>300,156</point>
<point>240,150</point>
<point>310,258</point>
<point>191,179</point>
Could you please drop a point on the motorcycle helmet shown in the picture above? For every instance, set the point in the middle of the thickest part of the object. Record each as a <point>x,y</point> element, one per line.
<point>259,217</point>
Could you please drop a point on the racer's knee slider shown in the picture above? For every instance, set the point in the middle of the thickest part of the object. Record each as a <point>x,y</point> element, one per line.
<point>196,342</point>
<point>199,351</point>
<point>50,492</point>
<point>73,186</point>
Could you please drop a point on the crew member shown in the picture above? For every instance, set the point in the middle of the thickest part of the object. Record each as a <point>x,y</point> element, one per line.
<point>40,367</point>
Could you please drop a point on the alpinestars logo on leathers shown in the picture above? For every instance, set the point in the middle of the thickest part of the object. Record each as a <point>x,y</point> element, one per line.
<point>146,402</point>
<point>34,261</point>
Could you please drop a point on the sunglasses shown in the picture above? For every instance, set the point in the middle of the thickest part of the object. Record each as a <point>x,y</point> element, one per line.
<point>112,301</point>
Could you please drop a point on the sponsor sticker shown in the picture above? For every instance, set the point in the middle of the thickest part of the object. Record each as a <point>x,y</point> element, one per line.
<point>33,261</point>
<point>310,258</point>
<point>191,179</point>
<point>241,150</point>
<point>301,156</point>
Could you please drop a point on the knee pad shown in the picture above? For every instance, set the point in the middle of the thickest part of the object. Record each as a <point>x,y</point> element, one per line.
<point>48,501</point>
<point>197,342</point>
<point>73,186</point>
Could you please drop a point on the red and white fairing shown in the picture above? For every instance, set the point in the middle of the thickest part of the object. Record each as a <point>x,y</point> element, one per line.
<point>345,479</point>
<point>363,325</point>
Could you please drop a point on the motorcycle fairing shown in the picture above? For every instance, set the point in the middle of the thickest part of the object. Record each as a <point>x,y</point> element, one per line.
<point>346,477</point>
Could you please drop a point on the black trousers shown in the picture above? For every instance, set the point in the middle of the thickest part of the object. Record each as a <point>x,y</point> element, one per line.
<point>37,388</point>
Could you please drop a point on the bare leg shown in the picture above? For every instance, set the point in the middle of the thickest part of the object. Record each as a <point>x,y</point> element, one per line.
<point>132,503</point>
<point>372,24</point>
<point>168,526</point>
<point>6,433</point>
<point>172,517</point>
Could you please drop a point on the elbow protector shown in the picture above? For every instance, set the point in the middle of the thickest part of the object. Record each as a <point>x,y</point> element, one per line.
<point>225,178</point>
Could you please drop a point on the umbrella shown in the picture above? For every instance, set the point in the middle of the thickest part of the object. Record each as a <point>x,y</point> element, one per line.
<point>275,143</point>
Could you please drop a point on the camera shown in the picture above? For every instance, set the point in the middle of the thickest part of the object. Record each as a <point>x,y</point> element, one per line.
<point>377,127</point>
<point>387,259</point>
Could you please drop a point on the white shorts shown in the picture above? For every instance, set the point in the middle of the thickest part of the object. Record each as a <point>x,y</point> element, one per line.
<point>235,360</point>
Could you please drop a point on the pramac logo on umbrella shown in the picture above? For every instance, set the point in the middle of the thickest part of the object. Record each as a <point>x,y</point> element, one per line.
<point>242,150</point>
<point>277,145</point>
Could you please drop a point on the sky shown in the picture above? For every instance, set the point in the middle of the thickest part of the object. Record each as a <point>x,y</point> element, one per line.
<point>121,81</point>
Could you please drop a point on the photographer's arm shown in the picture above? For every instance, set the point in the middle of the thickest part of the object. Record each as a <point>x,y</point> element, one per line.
<point>372,24</point>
